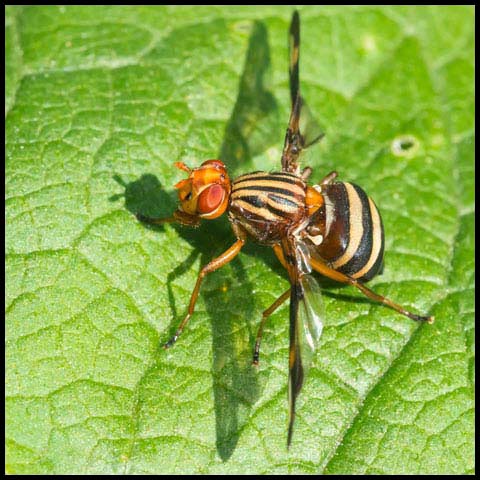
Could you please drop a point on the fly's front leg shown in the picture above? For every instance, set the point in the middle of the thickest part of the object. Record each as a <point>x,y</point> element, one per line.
<point>178,216</point>
<point>265,315</point>
<point>215,264</point>
<point>154,221</point>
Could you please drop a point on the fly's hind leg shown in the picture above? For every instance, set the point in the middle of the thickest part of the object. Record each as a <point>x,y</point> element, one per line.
<point>215,264</point>
<point>306,172</point>
<point>265,315</point>
<point>341,277</point>
<point>329,178</point>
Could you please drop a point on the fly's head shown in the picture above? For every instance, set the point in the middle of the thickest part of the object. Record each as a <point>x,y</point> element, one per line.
<point>205,193</point>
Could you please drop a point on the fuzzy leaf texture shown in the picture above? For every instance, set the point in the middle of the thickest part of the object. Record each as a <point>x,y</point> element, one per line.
<point>99,102</point>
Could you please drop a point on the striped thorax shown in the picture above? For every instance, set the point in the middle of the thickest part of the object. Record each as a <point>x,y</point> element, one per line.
<point>346,230</point>
<point>266,205</point>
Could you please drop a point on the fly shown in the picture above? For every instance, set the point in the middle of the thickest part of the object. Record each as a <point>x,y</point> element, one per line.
<point>330,227</point>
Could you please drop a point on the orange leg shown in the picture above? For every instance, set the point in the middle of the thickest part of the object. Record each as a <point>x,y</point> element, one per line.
<point>279,253</point>
<point>256,353</point>
<point>265,315</point>
<point>326,271</point>
<point>215,264</point>
<point>340,277</point>
<point>178,216</point>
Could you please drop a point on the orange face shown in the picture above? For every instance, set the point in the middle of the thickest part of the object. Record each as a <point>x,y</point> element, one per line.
<point>206,191</point>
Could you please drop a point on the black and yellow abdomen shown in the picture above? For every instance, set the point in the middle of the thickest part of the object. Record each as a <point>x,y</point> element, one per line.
<point>352,229</point>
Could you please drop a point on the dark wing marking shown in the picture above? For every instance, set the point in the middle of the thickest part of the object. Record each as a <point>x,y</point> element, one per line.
<point>296,372</point>
<point>294,49</point>
<point>300,118</point>
<point>292,145</point>
<point>306,312</point>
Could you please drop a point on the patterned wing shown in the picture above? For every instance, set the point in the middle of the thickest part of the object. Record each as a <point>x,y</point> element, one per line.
<point>306,321</point>
<point>302,131</point>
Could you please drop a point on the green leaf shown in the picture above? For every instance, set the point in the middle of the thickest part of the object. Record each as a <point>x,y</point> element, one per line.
<point>100,101</point>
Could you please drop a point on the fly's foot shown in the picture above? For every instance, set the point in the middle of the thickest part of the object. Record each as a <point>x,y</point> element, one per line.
<point>170,342</point>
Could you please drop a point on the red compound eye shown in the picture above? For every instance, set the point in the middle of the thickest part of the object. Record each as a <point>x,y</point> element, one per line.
<point>210,198</point>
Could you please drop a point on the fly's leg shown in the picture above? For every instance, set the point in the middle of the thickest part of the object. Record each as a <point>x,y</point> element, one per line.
<point>307,171</point>
<point>265,315</point>
<point>154,221</point>
<point>329,178</point>
<point>340,277</point>
<point>178,216</point>
<point>256,353</point>
<point>215,264</point>
<point>325,270</point>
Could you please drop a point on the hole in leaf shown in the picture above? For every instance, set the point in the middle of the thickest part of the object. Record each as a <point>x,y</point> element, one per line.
<point>406,145</point>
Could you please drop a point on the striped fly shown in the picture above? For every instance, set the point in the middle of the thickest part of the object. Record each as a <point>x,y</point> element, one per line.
<point>332,228</point>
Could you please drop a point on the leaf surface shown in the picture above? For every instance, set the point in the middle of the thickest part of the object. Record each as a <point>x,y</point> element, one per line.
<point>100,101</point>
